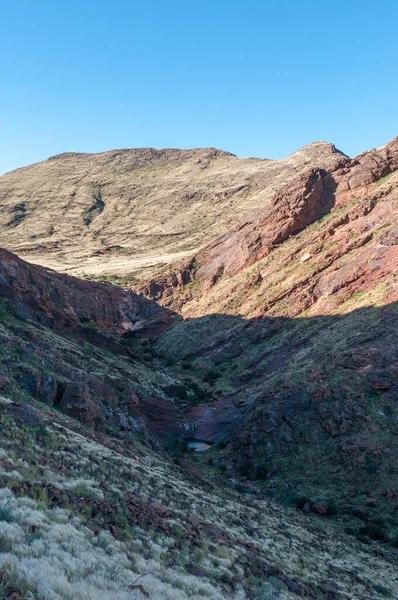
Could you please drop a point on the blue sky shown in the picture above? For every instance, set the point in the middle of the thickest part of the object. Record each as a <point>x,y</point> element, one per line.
<point>257,78</point>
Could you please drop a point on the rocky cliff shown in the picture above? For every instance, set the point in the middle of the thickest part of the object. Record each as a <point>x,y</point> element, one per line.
<point>83,347</point>
<point>308,197</point>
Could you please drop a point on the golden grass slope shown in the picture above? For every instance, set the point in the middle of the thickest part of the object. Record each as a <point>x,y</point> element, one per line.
<point>124,211</point>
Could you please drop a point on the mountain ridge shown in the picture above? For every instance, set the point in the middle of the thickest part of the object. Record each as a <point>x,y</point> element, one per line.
<point>328,147</point>
<point>53,209</point>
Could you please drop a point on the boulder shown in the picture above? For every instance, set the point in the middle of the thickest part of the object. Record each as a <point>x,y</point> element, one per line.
<point>77,402</point>
<point>319,508</point>
<point>29,379</point>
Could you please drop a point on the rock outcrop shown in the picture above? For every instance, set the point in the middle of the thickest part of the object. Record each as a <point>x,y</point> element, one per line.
<point>368,167</point>
<point>66,303</point>
<point>291,210</point>
<point>48,318</point>
<point>300,203</point>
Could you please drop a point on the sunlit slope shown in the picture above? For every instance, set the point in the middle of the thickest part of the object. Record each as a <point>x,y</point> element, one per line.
<point>124,211</point>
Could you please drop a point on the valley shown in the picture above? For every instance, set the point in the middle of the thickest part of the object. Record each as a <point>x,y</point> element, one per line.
<point>199,376</point>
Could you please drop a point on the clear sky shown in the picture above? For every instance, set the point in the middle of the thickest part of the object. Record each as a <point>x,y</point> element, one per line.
<point>255,77</point>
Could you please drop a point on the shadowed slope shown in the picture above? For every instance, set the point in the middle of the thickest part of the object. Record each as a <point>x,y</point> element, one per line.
<point>272,388</point>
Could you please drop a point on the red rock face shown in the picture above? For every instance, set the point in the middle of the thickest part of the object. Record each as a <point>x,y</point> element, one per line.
<point>94,313</point>
<point>369,167</point>
<point>291,210</point>
<point>64,303</point>
<point>294,208</point>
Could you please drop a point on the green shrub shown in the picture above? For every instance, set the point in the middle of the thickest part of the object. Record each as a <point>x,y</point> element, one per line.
<point>6,512</point>
<point>3,309</point>
<point>212,376</point>
<point>381,589</point>
<point>350,530</point>
<point>239,488</point>
<point>198,392</point>
<point>301,501</point>
<point>333,507</point>
<point>175,447</point>
<point>221,444</point>
<point>244,469</point>
<point>261,470</point>
<point>169,362</point>
<point>186,363</point>
<point>394,541</point>
<point>376,530</point>
<point>38,432</point>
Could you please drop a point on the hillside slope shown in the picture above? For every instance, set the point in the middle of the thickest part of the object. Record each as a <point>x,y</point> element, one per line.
<point>82,519</point>
<point>342,197</point>
<point>97,501</point>
<point>124,211</point>
<point>292,317</point>
<point>276,343</point>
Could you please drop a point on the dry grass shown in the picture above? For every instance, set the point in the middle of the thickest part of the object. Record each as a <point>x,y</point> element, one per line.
<point>127,211</point>
<point>51,554</point>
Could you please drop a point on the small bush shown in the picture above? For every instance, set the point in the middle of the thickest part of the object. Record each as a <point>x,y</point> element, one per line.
<point>333,508</point>
<point>186,363</point>
<point>198,392</point>
<point>350,530</point>
<point>7,512</point>
<point>244,469</point>
<point>362,538</point>
<point>375,531</point>
<point>301,501</point>
<point>239,488</point>
<point>175,446</point>
<point>221,444</point>
<point>394,541</point>
<point>261,471</point>
<point>381,589</point>
<point>38,432</point>
<point>212,376</point>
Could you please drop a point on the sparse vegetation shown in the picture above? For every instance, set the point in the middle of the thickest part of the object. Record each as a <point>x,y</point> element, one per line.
<point>40,534</point>
<point>19,214</point>
<point>289,358</point>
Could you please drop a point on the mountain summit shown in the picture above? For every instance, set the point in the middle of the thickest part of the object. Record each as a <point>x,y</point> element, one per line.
<point>125,211</point>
